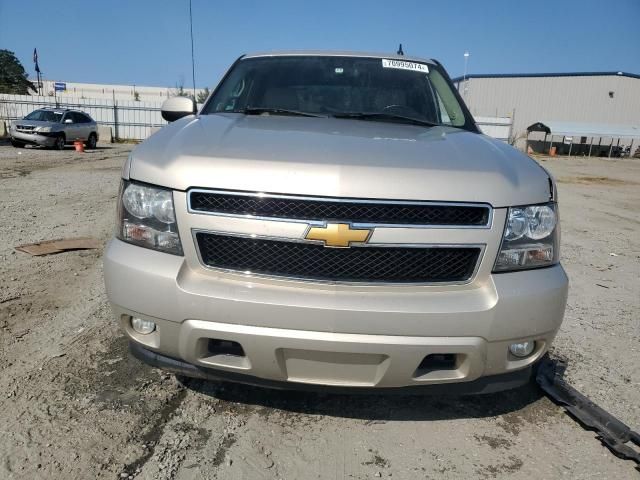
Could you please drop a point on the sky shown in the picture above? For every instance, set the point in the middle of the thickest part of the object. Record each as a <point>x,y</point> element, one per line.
<point>146,42</point>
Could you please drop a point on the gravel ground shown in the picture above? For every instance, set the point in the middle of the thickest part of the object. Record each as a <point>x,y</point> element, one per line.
<point>74,405</point>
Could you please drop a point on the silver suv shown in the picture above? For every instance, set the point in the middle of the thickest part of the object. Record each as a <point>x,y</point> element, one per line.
<point>336,220</point>
<point>54,127</point>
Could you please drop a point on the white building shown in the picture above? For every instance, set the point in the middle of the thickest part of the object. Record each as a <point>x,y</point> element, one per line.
<point>105,91</point>
<point>606,98</point>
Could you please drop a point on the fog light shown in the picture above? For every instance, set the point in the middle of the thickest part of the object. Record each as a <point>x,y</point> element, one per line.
<point>142,326</point>
<point>522,349</point>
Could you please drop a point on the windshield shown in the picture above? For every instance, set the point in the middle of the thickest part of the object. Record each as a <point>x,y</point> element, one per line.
<point>345,87</point>
<point>45,116</point>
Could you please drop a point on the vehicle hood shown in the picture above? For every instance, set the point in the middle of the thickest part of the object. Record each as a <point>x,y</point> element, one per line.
<point>338,157</point>
<point>34,123</point>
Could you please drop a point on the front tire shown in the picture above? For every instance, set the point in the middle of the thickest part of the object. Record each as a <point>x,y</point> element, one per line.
<point>17,144</point>
<point>92,141</point>
<point>60,142</point>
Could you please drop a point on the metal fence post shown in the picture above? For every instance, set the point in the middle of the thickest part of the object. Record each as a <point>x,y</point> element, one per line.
<point>512,139</point>
<point>115,117</point>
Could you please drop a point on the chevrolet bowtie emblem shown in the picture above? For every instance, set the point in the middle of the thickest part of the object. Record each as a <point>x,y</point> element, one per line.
<point>338,234</point>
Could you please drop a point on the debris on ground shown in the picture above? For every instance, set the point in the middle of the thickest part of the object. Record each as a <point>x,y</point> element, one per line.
<point>49,247</point>
<point>613,433</point>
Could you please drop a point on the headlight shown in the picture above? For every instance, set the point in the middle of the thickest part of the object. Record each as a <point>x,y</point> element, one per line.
<point>147,218</point>
<point>530,238</point>
<point>43,129</point>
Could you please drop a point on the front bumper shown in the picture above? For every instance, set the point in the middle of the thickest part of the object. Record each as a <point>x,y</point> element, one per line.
<point>482,385</point>
<point>331,335</point>
<point>33,138</point>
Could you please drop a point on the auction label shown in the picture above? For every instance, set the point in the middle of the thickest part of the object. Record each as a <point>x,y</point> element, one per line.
<point>403,65</point>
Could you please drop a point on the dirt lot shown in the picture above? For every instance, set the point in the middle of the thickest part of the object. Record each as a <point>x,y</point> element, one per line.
<point>73,405</point>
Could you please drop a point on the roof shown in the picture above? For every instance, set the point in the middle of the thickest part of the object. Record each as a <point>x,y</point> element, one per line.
<point>331,53</point>
<point>580,129</point>
<point>533,75</point>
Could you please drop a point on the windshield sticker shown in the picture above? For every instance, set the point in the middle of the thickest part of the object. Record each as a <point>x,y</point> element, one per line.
<point>404,65</point>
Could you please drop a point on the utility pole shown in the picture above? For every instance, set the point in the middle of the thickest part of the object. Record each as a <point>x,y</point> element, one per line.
<point>464,77</point>
<point>193,63</point>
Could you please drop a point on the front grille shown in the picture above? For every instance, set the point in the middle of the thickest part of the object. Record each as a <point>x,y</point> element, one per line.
<point>335,210</point>
<point>357,264</point>
<point>25,128</point>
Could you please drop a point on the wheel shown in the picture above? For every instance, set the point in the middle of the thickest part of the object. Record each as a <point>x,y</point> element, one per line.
<point>60,141</point>
<point>91,141</point>
<point>17,144</point>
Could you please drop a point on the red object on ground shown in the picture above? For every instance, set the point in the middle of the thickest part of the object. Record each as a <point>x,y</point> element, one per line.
<point>79,146</point>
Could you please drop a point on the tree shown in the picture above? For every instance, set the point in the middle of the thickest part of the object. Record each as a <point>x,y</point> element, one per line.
<point>179,91</point>
<point>13,78</point>
<point>202,95</point>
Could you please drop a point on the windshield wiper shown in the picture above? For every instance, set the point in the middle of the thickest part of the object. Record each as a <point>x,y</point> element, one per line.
<point>385,116</point>
<point>277,111</point>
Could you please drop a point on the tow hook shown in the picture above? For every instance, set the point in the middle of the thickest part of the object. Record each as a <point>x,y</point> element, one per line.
<point>613,433</point>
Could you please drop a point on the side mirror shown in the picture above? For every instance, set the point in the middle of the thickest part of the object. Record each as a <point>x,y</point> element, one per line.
<point>177,107</point>
<point>68,120</point>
